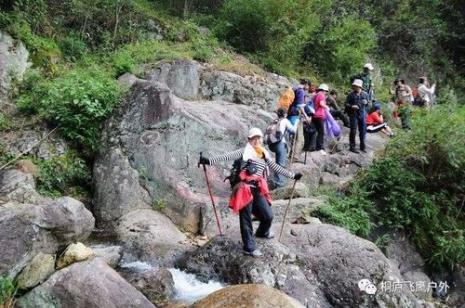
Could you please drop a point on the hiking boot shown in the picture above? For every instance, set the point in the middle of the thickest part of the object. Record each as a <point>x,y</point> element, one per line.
<point>256,253</point>
<point>364,151</point>
<point>354,151</point>
<point>269,236</point>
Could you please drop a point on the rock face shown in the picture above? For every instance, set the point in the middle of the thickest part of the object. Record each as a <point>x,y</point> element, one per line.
<point>74,253</point>
<point>23,140</point>
<point>247,295</point>
<point>28,229</point>
<point>410,264</point>
<point>13,64</point>
<point>151,146</point>
<point>151,151</point>
<point>111,254</point>
<point>340,260</point>
<point>156,284</point>
<point>18,186</point>
<point>87,285</point>
<point>118,191</point>
<point>150,236</point>
<point>193,81</point>
<point>222,259</point>
<point>320,265</point>
<point>40,268</point>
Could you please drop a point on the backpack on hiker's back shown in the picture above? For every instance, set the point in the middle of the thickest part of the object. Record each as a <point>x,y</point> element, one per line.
<point>286,99</point>
<point>235,170</point>
<point>272,133</point>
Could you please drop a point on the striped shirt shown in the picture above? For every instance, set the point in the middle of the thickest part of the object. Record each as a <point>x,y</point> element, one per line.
<point>259,164</point>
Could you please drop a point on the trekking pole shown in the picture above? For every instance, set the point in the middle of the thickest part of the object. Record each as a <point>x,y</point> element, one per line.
<point>305,159</point>
<point>211,196</point>
<point>285,212</point>
<point>293,146</point>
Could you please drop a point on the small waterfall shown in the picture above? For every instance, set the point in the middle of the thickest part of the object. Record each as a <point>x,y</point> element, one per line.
<point>189,289</point>
<point>136,266</point>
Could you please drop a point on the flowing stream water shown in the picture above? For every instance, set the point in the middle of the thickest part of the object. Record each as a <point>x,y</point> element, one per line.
<point>188,288</point>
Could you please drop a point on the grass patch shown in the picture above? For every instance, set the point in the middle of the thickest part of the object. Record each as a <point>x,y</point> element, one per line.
<point>67,174</point>
<point>418,187</point>
<point>7,292</point>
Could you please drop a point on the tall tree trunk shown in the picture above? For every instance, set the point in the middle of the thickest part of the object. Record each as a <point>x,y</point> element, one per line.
<point>84,26</point>
<point>119,7</point>
<point>187,4</point>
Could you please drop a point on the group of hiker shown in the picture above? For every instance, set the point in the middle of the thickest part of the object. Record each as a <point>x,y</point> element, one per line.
<point>318,110</point>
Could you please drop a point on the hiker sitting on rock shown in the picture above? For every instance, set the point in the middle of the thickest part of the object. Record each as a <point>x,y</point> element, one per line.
<point>251,194</point>
<point>375,121</point>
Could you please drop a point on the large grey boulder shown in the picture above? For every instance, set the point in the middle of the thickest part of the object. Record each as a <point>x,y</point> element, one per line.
<point>85,285</point>
<point>410,263</point>
<point>337,168</point>
<point>248,295</point>
<point>36,141</point>
<point>194,81</point>
<point>182,77</point>
<point>341,260</point>
<point>151,148</point>
<point>40,268</point>
<point>150,236</point>
<point>13,65</point>
<point>18,186</point>
<point>222,259</point>
<point>156,284</point>
<point>111,254</point>
<point>28,229</point>
<point>117,188</point>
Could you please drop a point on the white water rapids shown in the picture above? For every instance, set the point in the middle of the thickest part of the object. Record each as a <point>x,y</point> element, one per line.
<point>188,288</point>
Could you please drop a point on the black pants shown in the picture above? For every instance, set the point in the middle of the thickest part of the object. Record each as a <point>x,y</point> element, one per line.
<point>320,133</point>
<point>262,210</point>
<point>337,114</point>
<point>309,137</point>
<point>357,122</point>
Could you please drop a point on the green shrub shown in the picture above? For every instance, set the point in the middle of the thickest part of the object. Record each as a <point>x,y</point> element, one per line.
<point>418,187</point>
<point>7,292</point>
<point>276,31</point>
<point>45,53</point>
<point>350,213</point>
<point>341,50</point>
<point>4,121</point>
<point>78,102</point>
<point>73,47</point>
<point>61,175</point>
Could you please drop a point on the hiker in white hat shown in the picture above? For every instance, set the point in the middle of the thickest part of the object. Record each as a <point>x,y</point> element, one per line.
<point>367,82</point>
<point>250,188</point>
<point>356,107</point>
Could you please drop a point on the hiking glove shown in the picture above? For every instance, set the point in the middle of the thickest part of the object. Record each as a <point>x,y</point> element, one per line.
<point>297,176</point>
<point>203,161</point>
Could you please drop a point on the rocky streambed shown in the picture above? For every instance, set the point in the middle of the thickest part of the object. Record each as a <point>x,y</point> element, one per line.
<point>153,212</point>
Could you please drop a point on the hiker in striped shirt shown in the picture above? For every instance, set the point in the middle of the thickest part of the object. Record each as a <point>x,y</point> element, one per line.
<point>251,194</point>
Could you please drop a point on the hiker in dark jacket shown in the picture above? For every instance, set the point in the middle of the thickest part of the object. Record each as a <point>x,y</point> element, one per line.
<point>331,100</point>
<point>299,101</point>
<point>251,194</point>
<point>356,106</point>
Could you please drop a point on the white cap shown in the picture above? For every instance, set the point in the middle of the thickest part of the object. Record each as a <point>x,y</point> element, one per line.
<point>368,66</point>
<point>323,87</point>
<point>254,131</point>
<point>358,83</point>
